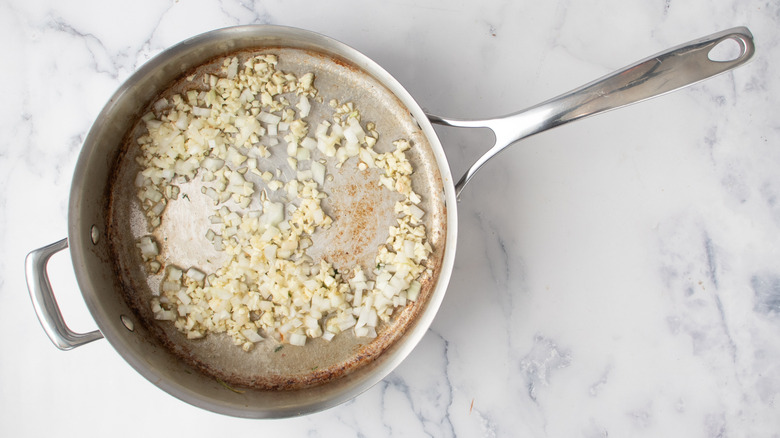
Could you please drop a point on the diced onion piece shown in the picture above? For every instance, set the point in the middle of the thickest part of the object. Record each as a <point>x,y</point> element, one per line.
<point>201,112</point>
<point>273,213</point>
<point>346,322</point>
<point>232,68</point>
<point>416,211</point>
<point>414,291</point>
<point>304,106</point>
<point>251,335</point>
<point>292,149</point>
<point>148,248</point>
<point>297,339</point>
<point>303,154</point>
<point>318,172</point>
<point>309,143</point>
<point>196,275</point>
<point>271,119</point>
<point>212,164</point>
<point>235,157</point>
<point>160,104</point>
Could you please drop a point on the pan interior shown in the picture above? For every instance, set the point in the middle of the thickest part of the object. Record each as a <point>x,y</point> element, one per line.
<point>362,212</point>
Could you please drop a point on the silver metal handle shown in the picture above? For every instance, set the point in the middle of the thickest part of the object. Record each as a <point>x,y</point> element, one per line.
<point>659,74</point>
<point>45,303</point>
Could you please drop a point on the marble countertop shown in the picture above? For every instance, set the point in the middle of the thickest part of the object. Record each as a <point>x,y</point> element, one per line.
<point>619,276</point>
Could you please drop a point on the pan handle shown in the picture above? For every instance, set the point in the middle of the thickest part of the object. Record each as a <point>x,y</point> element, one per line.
<point>45,303</point>
<point>659,74</point>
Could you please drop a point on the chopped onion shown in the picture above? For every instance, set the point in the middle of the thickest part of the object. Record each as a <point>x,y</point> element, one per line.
<point>303,106</point>
<point>201,112</point>
<point>273,213</point>
<point>196,275</point>
<point>414,290</point>
<point>223,134</point>
<point>212,164</point>
<point>148,248</point>
<point>416,211</point>
<point>232,68</point>
<point>251,335</point>
<point>297,339</point>
<point>268,118</point>
<point>348,321</point>
<point>318,172</point>
<point>309,143</point>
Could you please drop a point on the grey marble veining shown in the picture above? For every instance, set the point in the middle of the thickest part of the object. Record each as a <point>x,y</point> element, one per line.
<point>616,277</point>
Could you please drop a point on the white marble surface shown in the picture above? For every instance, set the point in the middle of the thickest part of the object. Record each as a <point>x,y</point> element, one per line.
<point>616,277</point>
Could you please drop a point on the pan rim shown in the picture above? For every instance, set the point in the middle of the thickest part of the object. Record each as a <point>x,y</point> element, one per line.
<point>79,229</point>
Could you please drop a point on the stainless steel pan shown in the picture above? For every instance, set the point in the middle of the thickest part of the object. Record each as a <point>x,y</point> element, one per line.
<point>103,219</point>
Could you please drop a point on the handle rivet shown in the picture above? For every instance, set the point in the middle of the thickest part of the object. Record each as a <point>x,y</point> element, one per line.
<point>95,234</point>
<point>127,322</point>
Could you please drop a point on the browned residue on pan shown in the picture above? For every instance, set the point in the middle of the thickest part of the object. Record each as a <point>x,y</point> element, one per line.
<point>364,211</point>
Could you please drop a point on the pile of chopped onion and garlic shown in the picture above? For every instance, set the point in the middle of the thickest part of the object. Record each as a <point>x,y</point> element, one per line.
<point>270,286</point>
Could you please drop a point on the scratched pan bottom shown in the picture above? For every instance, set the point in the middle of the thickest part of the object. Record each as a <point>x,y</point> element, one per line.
<point>362,212</point>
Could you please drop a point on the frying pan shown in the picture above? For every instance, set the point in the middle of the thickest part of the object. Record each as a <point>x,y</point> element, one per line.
<point>103,218</point>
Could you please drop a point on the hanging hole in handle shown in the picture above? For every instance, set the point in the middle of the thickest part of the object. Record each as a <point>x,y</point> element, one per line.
<point>728,50</point>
